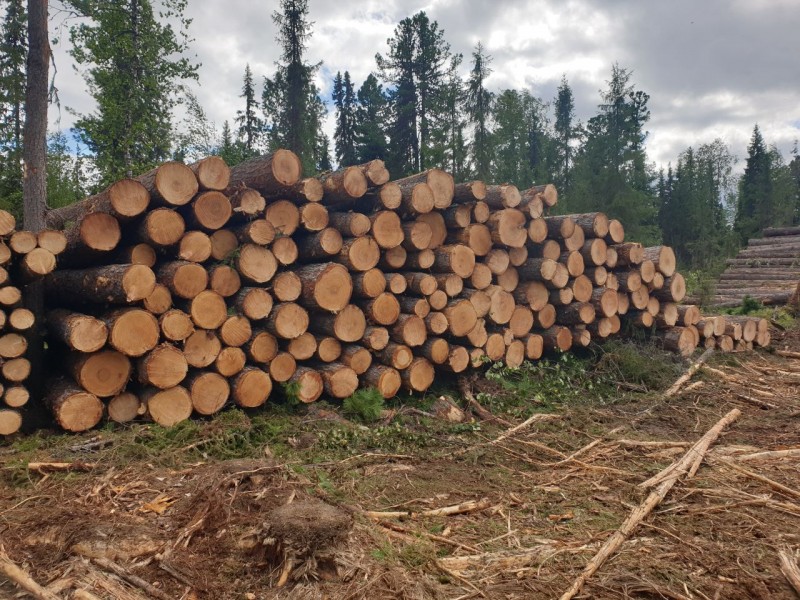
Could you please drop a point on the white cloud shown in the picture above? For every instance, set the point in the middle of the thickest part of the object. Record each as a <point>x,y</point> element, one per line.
<point>712,69</point>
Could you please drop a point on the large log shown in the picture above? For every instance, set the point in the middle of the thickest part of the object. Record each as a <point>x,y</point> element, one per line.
<point>268,174</point>
<point>508,227</point>
<point>183,279</point>
<point>171,184</point>
<point>161,228</point>
<point>383,378</point>
<point>307,384</point>
<point>167,407</point>
<point>663,257</point>
<point>208,310</point>
<point>419,376</point>
<point>441,185</point>
<point>132,331</point>
<point>210,211</point>
<point>327,286</point>
<point>251,387</point>
<point>212,173</point>
<point>163,367</point>
<point>348,325</point>
<point>80,332</point>
<point>344,186</point>
<point>208,392</point>
<point>124,199</point>
<point>340,381</point>
<point>284,217</point>
<point>176,325</point>
<point>73,408</point>
<point>112,284</point>
<point>103,373</point>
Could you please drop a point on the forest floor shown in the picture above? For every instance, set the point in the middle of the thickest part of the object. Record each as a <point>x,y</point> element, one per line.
<point>200,510</point>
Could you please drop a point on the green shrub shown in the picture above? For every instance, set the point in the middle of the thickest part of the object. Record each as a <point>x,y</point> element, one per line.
<point>365,405</point>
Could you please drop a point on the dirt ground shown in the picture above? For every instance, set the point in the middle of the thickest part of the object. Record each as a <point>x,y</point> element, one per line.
<point>289,520</point>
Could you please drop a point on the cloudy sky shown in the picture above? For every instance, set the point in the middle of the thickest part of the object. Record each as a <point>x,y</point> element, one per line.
<point>713,68</point>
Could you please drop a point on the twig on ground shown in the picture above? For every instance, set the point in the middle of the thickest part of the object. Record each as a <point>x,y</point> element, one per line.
<point>763,404</point>
<point>787,354</point>
<point>466,392</point>
<point>509,432</point>
<point>790,453</point>
<point>501,561</point>
<point>446,511</point>
<point>52,467</point>
<point>688,374</point>
<point>23,579</point>
<point>687,465</point>
<point>122,573</point>
<point>790,569</point>
<point>771,483</point>
<point>436,538</point>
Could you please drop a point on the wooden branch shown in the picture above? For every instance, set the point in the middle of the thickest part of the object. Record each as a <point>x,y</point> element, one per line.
<point>771,483</point>
<point>687,464</point>
<point>510,432</point>
<point>790,569</point>
<point>51,467</point>
<point>500,561</point>
<point>787,354</point>
<point>446,511</point>
<point>790,453</point>
<point>688,374</point>
<point>23,579</point>
<point>122,573</point>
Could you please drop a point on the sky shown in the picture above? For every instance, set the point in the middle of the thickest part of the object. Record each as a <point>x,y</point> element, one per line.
<point>712,68</point>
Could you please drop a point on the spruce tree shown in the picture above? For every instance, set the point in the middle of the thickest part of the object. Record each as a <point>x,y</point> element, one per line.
<point>449,144</point>
<point>344,136</point>
<point>250,125</point>
<point>13,54</point>
<point>133,58</point>
<point>479,108</point>
<point>371,116</point>
<point>755,189</point>
<point>416,68</point>
<point>290,99</point>
<point>564,133</point>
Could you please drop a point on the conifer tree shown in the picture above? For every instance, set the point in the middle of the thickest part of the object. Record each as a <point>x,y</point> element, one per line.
<point>133,58</point>
<point>13,53</point>
<point>371,115</point>
<point>564,133</point>
<point>755,189</point>
<point>479,107</point>
<point>344,137</point>
<point>250,125</point>
<point>290,100</point>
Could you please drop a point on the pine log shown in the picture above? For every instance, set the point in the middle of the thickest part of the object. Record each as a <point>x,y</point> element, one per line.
<point>212,173</point>
<point>396,283</point>
<point>423,259</point>
<point>436,222</point>
<point>594,251</point>
<point>383,378</point>
<point>384,309</point>
<point>375,338</point>
<point>258,231</point>
<point>557,338</point>
<point>208,392</point>
<point>421,283</point>
<point>230,361</point>
<point>307,385</point>
<point>481,277</point>
<point>616,232</point>
<point>689,314</point>
<point>282,367</point>
<point>256,264</point>
<point>436,323</point>
<point>534,346</point>
<point>114,284</point>
<point>611,258</point>
<point>208,310</point>
<point>314,216</point>
<point>501,306</point>
<point>548,193</point>
<point>80,332</point>
<point>574,262</point>
<point>562,297</point>
<point>302,347</point>
<point>410,305</point>
<point>268,174</point>
<point>176,325</point>
<point>285,251</point>
<point>476,236</point>
<point>210,211</point>
<point>438,300</point>
<point>560,227</point>
<point>262,346</point>
<point>287,287</point>
<point>667,316</point>
<point>674,289</point>
<point>498,260</point>
<point>52,240</point>
<point>605,301</point>
<point>201,348</point>
<point>531,203</point>
<point>576,240</point>
<point>495,347</point>
<point>284,217</point>
<point>254,303</point>
<point>386,229</point>
<point>499,197</point>
<point>677,339</point>
<point>95,233</point>
<point>251,387</point>
<point>36,264</point>
<point>469,191</point>
<point>161,228</point>
<point>419,376</point>
<point>389,196</point>
<point>581,288</point>
<point>10,296</point>
<point>462,315</point>
<point>508,227</point>
<point>20,319</point>
<point>103,374</point>
<point>16,397</point>
<point>538,269</point>
<point>576,313</point>
<point>225,280</point>
<point>246,202</point>
<point>344,186</point>
<point>195,246</point>
<point>327,286</point>
<point>349,325</point>
<point>320,246</point>
<point>359,254</point>
<point>329,349</point>
<point>132,331</point>
<point>663,257</point>
<point>521,321</point>
<point>183,279</point>
<point>340,381</point>
<point>594,225</point>
<point>73,408</point>
<point>479,300</point>
<point>350,224</point>
<point>457,216</point>
<point>124,199</point>
<point>481,212</point>
<point>10,421</point>
<point>441,186</point>
<point>409,330</point>
<point>532,293</point>
<point>457,258</point>
<point>450,284</point>
<point>163,367</point>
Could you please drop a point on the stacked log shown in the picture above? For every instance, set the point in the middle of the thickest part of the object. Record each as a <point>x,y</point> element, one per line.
<point>195,287</point>
<point>25,257</point>
<point>767,270</point>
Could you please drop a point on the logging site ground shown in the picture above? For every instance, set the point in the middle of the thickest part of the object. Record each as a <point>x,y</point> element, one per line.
<point>285,502</point>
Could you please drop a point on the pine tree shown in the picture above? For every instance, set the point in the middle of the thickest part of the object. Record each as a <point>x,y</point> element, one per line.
<point>479,108</point>
<point>371,115</point>
<point>250,125</point>
<point>344,99</point>
<point>415,68</point>
<point>449,145</point>
<point>755,189</point>
<point>13,54</point>
<point>66,182</point>
<point>133,60</point>
<point>565,134</point>
<point>290,99</point>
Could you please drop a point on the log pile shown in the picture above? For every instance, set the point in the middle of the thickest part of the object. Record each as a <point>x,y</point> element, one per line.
<point>193,287</point>
<point>25,258</point>
<point>767,270</point>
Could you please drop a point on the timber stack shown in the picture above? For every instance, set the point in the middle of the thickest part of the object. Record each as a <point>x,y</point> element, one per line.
<point>767,270</point>
<point>25,258</point>
<point>194,287</point>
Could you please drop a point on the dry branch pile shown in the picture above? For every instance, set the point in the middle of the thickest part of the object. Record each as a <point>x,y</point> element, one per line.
<point>196,286</point>
<point>767,270</point>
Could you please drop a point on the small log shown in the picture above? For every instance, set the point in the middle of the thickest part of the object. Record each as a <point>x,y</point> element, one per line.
<point>508,227</point>
<point>80,332</point>
<point>161,228</point>
<point>663,257</point>
<point>383,378</point>
<point>253,303</point>
<point>208,310</point>
<point>441,185</point>
<point>386,229</point>
<point>418,377</point>
<point>132,331</point>
<point>251,387</point>
<point>73,408</point>
<point>245,201</point>
<point>307,384</point>
<point>176,325</point>
<point>208,392</point>
<point>375,338</point>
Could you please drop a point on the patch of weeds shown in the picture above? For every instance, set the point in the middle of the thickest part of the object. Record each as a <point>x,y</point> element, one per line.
<point>364,405</point>
<point>417,555</point>
<point>545,384</point>
<point>291,391</point>
<point>637,364</point>
<point>391,438</point>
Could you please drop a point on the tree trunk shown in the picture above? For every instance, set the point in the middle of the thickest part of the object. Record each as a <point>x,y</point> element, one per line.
<point>124,199</point>
<point>112,284</point>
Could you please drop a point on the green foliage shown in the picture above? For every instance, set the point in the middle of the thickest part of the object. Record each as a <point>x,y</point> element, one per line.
<point>371,116</point>
<point>366,404</point>
<point>702,284</point>
<point>66,180</point>
<point>250,126</point>
<point>479,104</point>
<point>749,305</point>
<point>639,364</point>
<point>344,99</point>
<point>133,60</point>
<point>565,132</point>
<point>392,438</point>
<point>13,53</point>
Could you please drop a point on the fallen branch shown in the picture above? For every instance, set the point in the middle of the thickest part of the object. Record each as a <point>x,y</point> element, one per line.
<point>771,483</point>
<point>53,467</point>
<point>122,573</point>
<point>510,432</point>
<point>484,414</point>
<point>688,374</point>
<point>446,511</point>
<point>499,561</point>
<point>792,452</point>
<point>687,465</point>
<point>790,569</point>
<point>787,354</point>
<point>436,538</point>
<point>83,595</point>
<point>23,579</point>
<point>763,404</point>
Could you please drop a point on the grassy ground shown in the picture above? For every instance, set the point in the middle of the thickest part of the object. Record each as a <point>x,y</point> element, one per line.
<point>191,508</point>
